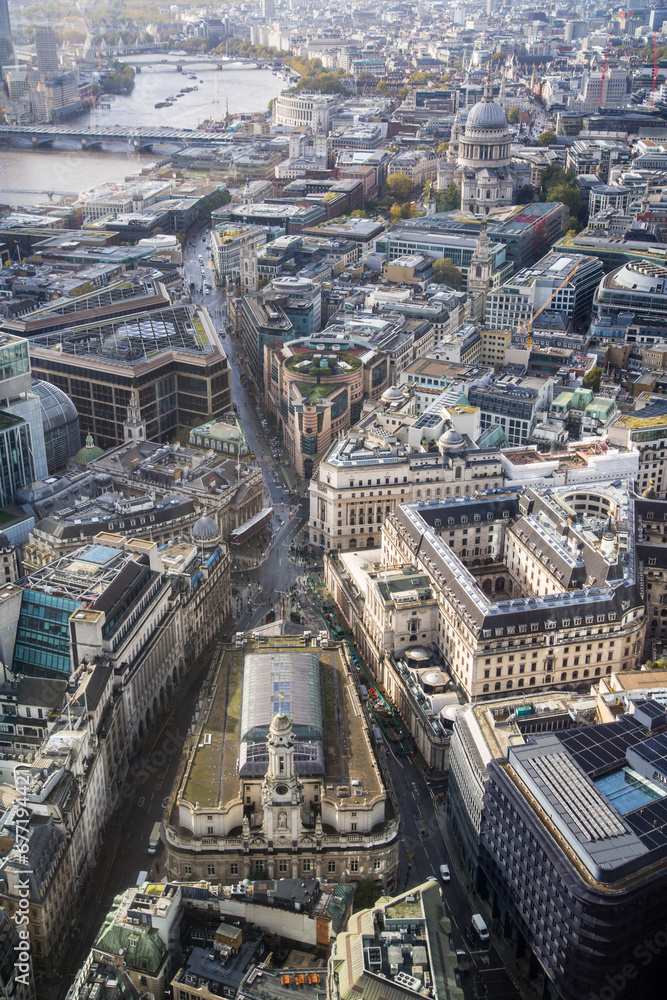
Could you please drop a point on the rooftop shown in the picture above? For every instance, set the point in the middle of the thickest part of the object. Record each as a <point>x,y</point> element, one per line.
<point>212,773</point>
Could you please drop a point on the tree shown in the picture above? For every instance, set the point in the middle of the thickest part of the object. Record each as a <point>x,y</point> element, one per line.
<point>406,210</point>
<point>452,198</point>
<point>592,378</point>
<point>358,214</point>
<point>498,57</point>
<point>366,894</point>
<point>569,195</point>
<point>382,87</point>
<point>546,138</point>
<point>442,148</point>
<point>395,211</point>
<point>404,92</point>
<point>513,115</point>
<point>398,186</point>
<point>421,77</point>
<point>525,194</point>
<point>445,272</point>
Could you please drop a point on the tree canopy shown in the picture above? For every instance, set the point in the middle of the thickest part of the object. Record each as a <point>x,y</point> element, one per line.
<point>398,186</point>
<point>546,138</point>
<point>446,272</point>
<point>592,378</point>
<point>452,199</point>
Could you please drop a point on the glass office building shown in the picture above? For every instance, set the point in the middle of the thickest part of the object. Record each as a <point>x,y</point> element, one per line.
<point>42,637</point>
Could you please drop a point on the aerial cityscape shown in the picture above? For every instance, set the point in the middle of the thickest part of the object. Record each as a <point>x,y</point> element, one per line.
<point>333,500</point>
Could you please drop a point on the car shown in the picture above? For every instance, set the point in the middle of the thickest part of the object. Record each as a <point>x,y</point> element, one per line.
<point>431,878</point>
<point>445,874</point>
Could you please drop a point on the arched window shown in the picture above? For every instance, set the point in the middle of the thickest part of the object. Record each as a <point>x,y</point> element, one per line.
<point>496,686</point>
<point>563,676</point>
<point>457,473</point>
<point>485,688</point>
<point>575,674</point>
<point>509,684</point>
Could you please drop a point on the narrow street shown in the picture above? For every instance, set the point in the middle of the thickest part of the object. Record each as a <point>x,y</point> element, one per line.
<point>259,591</point>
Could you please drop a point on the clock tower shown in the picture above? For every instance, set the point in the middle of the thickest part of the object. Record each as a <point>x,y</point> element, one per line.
<point>281,790</point>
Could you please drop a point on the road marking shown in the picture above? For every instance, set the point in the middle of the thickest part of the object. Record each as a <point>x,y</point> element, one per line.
<point>140,802</point>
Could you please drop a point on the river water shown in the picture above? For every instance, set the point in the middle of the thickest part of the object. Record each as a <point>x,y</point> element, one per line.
<point>27,175</point>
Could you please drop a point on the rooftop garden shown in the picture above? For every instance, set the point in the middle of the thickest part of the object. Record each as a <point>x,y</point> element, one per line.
<point>312,391</point>
<point>324,363</point>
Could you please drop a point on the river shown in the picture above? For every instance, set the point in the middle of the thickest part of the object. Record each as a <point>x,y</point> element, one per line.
<point>26,174</point>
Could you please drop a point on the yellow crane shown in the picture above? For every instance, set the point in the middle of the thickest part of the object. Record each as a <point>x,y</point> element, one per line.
<point>528,327</point>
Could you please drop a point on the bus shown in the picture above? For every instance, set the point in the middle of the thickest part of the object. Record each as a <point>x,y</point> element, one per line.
<point>250,528</point>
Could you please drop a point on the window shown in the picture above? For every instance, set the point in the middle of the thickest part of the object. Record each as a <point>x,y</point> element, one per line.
<point>210,870</point>
<point>377,865</point>
<point>234,868</point>
<point>282,866</point>
<point>354,864</point>
<point>331,867</point>
<point>188,869</point>
<point>306,864</point>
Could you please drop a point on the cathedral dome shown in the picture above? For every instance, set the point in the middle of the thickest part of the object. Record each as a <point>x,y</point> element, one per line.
<point>486,114</point>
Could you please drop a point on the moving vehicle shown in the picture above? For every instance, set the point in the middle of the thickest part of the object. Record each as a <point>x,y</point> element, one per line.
<point>445,873</point>
<point>154,839</point>
<point>479,926</point>
<point>142,877</point>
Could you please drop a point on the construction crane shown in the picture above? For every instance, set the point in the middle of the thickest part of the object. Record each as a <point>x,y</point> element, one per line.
<point>527,328</point>
<point>655,65</point>
<point>604,69</point>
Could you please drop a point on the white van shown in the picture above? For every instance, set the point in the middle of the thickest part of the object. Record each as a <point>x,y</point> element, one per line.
<point>479,926</point>
<point>142,877</point>
<point>154,839</point>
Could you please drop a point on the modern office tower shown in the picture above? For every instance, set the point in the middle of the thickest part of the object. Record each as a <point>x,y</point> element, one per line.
<point>6,43</point>
<point>47,49</point>
<point>22,448</point>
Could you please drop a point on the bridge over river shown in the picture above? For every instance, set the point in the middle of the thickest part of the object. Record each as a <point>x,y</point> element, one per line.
<point>141,137</point>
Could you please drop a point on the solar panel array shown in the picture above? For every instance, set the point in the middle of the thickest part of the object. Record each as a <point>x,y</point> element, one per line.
<point>577,797</point>
<point>600,748</point>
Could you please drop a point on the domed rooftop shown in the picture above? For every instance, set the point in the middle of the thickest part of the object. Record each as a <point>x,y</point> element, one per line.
<point>280,723</point>
<point>451,442</point>
<point>486,114</point>
<point>89,452</point>
<point>392,395</point>
<point>205,529</point>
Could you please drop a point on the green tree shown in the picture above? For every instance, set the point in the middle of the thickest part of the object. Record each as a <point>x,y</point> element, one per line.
<point>546,138</point>
<point>442,148</point>
<point>592,378</point>
<point>406,210</point>
<point>366,894</point>
<point>498,57</point>
<point>395,211</point>
<point>452,198</point>
<point>358,214</point>
<point>398,186</point>
<point>446,272</point>
<point>513,115</point>
<point>421,78</point>
<point>382,87</point>
<point>404,92</point>
<point>569,195</point>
